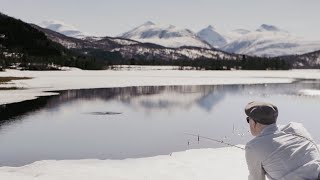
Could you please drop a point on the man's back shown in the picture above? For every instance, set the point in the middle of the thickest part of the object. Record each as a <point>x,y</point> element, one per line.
<point>287,153</point>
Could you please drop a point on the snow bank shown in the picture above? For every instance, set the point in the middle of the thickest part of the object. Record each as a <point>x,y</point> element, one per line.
<point>78,79</point>
<point>309,92</point>
<point>193,164</point>
<point>205,164</point>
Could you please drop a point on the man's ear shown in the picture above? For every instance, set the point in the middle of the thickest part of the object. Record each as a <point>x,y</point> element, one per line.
<point>255,124</point>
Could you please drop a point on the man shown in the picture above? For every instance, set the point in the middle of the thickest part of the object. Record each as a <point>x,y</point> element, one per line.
<point>286,153</point>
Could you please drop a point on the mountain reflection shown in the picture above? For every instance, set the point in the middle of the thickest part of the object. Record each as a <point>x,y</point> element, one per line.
<point>153,97</point>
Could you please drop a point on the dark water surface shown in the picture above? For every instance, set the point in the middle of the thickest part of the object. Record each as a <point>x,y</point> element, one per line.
<point>120,123</point>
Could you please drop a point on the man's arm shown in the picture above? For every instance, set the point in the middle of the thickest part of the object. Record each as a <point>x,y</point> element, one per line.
<point>256,171</point>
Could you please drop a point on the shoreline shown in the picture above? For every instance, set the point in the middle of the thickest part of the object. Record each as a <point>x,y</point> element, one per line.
<point>43,83</point>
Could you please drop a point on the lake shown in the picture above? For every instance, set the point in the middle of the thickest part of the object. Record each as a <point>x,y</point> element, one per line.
<point>133,122</point>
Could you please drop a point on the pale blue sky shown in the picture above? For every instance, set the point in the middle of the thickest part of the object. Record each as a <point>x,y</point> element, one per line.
<point>112,17</point>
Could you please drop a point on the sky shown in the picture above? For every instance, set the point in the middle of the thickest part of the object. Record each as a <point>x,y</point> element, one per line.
<point>113,17</point>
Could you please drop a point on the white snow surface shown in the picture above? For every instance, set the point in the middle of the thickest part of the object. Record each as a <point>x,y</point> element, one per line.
<point>193,164</point>
<point>201,164</point>
<point>204,164</point>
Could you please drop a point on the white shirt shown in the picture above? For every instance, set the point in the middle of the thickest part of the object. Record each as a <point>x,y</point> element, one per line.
<point>288,153</point>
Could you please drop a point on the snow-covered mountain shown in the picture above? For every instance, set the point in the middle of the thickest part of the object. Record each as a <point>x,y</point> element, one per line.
<point>63,28</point>
<point>270,40</point>
<point>129,49</point>
<point>266,40</point>
<point>165,35</point>
<point>211,36</point>
<point>218,38</point>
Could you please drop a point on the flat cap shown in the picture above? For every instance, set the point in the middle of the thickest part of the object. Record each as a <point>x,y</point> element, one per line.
<point>262,112</point>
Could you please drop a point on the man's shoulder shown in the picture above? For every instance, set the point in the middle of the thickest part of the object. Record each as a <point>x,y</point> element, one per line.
<point>258,141</point>
<point>295,128</point>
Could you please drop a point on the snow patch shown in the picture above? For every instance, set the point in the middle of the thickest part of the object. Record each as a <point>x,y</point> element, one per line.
<point>309,92</point>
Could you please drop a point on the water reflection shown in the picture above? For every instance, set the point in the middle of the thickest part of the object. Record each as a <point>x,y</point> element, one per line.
<point>131,122</point>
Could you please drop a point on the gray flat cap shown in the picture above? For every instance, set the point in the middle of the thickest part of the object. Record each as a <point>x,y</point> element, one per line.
<point>262,112</point>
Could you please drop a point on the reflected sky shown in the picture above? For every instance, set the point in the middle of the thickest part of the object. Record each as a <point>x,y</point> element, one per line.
<point>119,123</point>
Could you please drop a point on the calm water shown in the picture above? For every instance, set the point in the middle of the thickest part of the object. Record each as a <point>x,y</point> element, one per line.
<point>135,122</point>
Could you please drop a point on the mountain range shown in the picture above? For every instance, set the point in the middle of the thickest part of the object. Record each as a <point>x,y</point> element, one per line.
<point>133,49</point>
<point>32,45</point>
<point>266,40</point>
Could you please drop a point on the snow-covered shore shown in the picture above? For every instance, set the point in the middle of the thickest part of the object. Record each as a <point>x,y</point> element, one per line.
<point>205,164</point>
<point>201,164</point>
<point>77,79</point>
<point>223,163</point>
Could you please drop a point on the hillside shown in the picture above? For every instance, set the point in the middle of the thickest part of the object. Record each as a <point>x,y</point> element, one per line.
<point>24,46</point>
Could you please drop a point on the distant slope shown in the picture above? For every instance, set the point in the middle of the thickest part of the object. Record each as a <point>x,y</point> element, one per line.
<point>270,41</point>
<point>149,52</point>
<point>63,28</point>
<point>19,37</point>
<point>308,60</point>
<point>27,47</point>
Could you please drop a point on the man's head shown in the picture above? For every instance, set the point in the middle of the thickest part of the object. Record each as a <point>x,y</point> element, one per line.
<point>260,115</point>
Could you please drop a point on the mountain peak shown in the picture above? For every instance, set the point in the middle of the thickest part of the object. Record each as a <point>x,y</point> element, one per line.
<point>211,36</point>
<point>171,26</point>
<point>211,27</point>
<point>266,27</point>
<point>148,23</point>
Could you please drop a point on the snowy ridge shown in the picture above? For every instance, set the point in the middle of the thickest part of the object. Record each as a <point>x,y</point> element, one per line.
<point>63,28</point>
<point>220,38</point>
<point>165,35</point>
<point>270,41</point>
<point>266,27</point>
<point>211,36</point>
